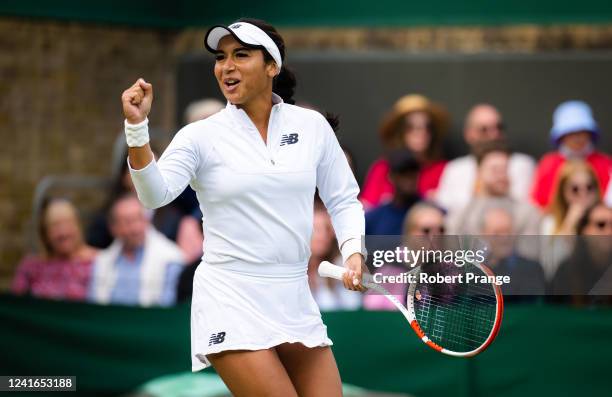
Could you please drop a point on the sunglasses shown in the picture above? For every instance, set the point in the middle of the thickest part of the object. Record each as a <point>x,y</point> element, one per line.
<point>486,128</point>
<point>589,188</point>
<point>601,224</point>
<point>433,230</point>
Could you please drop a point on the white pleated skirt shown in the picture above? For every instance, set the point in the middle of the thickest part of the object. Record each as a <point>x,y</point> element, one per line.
<point>235,310</point>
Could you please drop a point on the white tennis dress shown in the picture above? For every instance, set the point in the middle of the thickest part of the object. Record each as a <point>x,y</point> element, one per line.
<point>251,289</point>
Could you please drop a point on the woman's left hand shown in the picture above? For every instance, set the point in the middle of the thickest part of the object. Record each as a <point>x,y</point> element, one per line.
<point>355,269</point>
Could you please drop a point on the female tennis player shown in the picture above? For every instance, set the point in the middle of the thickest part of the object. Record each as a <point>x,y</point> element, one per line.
<point>255,166</point>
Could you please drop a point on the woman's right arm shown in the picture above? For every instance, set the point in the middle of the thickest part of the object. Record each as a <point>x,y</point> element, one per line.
<point>156,184</point>
<point>137,102</point>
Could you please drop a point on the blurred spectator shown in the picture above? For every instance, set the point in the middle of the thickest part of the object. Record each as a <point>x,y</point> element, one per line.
<point>424,227</point>
<point>458,182</point>
<point>190,237</point>
<point>141,267</point>
<point>63,269</point>
<point>415,124</point>
<point>329,293</point>
<point>387,219</point>
<point>493,159</point>
<point>586,277</point>
<point>424,222</point>
<point>527,279</point>
<point>576,190</point>
<point>166,219</point>
<point>597,221</point>
<point>425,219</point>
<point>574,134</point>
<point>202,109</point>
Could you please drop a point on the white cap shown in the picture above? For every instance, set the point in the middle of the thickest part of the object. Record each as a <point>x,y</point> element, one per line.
<point>246,34</point>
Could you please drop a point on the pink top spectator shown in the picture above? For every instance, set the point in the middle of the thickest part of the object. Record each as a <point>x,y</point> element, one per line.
<point>63,268</point>
<point>52,278</point>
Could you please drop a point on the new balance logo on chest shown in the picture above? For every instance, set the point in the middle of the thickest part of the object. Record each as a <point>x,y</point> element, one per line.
<point>288,139</point>
<point>215,339</point>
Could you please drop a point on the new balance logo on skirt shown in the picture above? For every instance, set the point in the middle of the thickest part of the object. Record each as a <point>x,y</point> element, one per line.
<point>289,139</point>
<point>215,339</point>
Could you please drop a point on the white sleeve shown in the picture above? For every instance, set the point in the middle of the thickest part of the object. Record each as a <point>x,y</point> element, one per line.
<point>339,190</point>
<point>159,183</point>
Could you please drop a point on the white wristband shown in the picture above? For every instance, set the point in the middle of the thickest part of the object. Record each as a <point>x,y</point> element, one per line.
<point>137,135</point>
<point>352,246</point>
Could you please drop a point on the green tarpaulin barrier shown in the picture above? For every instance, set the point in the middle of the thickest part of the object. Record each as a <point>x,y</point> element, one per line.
<point>541,350</point>
<point>381,13</point>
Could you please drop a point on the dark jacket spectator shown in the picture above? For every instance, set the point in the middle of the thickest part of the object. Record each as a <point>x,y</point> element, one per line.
<point>387,219</point>
<point>586,276</point>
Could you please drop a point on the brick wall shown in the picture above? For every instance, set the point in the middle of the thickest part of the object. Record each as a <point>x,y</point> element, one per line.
<point>527,38</point>
<point>60,108</point>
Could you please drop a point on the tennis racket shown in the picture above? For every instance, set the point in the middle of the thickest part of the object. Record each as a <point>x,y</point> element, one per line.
<point>457,319</point>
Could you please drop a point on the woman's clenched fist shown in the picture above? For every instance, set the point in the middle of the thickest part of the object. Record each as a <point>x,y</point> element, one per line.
<point>137,101</point>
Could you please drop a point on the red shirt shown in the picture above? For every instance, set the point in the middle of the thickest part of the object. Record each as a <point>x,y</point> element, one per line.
<point>52,278</point>
<point>545,178</point>
<point>377,187</point>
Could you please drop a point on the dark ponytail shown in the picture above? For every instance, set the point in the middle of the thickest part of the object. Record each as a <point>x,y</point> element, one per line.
<point>333,120</point>
<point>285,82</point>
<point>284,85</point>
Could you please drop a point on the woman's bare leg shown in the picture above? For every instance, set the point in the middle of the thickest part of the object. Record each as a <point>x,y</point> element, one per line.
<point>257,373</point>
<point>313,371</point>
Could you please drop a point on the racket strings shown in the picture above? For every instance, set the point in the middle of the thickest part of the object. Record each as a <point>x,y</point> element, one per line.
<point>460,319</point>
<point>458,309</point>
<point>432,300</point>
<point>444,323</point>
<point>455,336</point>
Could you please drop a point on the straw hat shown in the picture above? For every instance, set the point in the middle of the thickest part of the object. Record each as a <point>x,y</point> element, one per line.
<point>391,129</point>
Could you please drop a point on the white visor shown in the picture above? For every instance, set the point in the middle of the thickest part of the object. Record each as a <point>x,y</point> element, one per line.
<point>246,34</point>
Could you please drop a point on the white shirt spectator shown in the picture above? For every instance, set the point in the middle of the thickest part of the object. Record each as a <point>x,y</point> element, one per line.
<point>458,181</point>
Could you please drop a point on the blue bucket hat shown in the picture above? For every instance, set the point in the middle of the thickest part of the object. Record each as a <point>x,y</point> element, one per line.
<point>573,116</point>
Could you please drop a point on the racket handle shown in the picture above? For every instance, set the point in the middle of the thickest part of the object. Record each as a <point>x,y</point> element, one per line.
<point>327,269</point>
